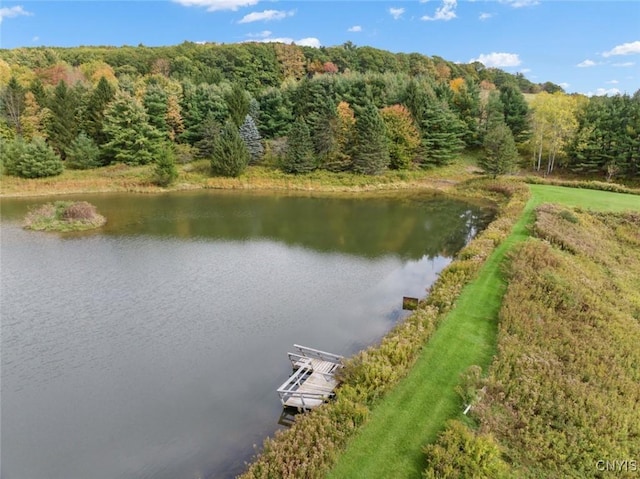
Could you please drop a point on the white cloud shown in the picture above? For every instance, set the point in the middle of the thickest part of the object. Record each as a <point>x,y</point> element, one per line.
<point>12,12</point>
<point>396,13</point>
<point>586,64</point>
<point>303,42</point>
<point>266,16</point>
<point>262,34</point>
<point>446,12</point>
<point>525,70</point>
<point>564,85</point>
<point>498,60</point>
<point>355,28</point>
<point>217,5</point>
<point>604,92</point>
<point>613,82</point>
<point>485,16</point>
<point>624,49</point>
<point>624,64</point>
<point>520,3</point>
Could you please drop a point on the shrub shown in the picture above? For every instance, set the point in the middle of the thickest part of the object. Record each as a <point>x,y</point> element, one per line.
<point>165,171</point>
<point>460,453</point>
<point>64,216</point>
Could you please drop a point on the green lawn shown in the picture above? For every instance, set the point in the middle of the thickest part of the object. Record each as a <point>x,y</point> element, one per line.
<point>583,198</point>
<point>390,444</point>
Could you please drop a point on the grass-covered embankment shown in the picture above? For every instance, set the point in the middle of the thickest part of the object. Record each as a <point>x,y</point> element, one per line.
<point>412,415</point>
<point>64,216</point>
<point>197,175</point>
<point>562,396</point>
<point>316,440</point>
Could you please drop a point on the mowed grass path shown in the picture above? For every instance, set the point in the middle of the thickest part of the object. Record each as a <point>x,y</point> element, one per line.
<point>412,415</point>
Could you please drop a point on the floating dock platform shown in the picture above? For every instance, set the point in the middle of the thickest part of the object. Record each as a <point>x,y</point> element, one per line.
<point>313,379</point>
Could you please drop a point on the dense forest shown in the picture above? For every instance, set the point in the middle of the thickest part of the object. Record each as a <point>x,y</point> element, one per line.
<point>343,108</point>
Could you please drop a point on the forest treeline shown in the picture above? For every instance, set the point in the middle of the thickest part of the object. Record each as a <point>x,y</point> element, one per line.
<point>343,108</point>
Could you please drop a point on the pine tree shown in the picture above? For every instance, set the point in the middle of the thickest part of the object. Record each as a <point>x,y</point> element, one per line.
<point>441,135</point>
<point>238,105</point>
<point>165,171</point>
<point>99,98</point>
<point>209,132</point>
<point>516,111</point>
<point>155,103</point>
<point>500,153</point>
<point>299,155</point>
<point>83,153</point>
<point>38,160</point>
<point>131,139</point>
<point>63,126</point>
<point>230,155</point>
<point>252,139</point>
<point>371,152</point>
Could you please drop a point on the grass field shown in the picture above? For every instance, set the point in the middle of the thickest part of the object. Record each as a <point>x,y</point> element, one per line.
<point>390,444</point>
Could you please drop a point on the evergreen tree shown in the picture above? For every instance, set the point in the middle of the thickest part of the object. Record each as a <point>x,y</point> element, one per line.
<point>371,152</point>
<point>37,88</point>
<point>516,111</point>
<point>63,126</point>
<point>198,104</point>
<point>209,132</point>
<point>238,104</point>
<point>83,153</point>
<point>155,103</point>
<point>500,153</point>
<point>131,139</point>
<point>252,139</point>
<point>165,171</point>
<point>465,102</point>
<point>97,103</point>
<point>37,160</point>
<point>441,135</point>
<point>299,155</point>
<point>276,113</point>
<point>230,155</point>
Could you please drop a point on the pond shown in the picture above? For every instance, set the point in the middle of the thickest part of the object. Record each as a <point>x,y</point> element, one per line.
<point>152,347</point>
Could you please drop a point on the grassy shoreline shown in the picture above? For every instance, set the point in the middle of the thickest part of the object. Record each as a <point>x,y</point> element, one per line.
<point>195,175</point>
<point>467,336</point>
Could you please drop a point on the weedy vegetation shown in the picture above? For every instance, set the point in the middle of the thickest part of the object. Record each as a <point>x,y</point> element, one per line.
<point>64,216</point>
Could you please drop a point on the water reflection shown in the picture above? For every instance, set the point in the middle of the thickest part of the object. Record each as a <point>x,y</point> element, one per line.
<point>152,347</point>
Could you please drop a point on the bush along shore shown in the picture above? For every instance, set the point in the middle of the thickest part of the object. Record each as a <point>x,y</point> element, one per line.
<point>312,445</point>
<point>565,383</point>
<point>64,216</point>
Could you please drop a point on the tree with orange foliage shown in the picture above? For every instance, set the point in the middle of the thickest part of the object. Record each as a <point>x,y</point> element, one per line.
<point>339,159</point>
<point>402,135</point>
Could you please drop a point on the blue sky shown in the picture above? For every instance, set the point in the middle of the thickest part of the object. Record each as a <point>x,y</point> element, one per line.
<point>590,47</point>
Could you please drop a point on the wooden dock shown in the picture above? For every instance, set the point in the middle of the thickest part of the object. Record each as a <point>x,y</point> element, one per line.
<point>313,379</point>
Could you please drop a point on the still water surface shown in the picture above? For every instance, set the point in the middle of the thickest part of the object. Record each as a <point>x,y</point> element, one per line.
<point>152,347</point>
